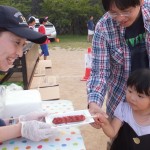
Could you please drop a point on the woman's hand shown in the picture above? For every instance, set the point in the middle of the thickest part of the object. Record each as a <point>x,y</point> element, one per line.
<point>39,116</point>
<point>36,131</point>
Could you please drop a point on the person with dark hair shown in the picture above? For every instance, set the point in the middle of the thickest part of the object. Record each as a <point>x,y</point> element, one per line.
<point>120,45</point>
<point>90,26</point>
<point>31,23</point>
<point>131,122</point>
<point>14,32</point>
<point>44,46</point>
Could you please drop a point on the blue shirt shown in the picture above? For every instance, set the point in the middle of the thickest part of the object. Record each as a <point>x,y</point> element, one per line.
<point>90,25</point>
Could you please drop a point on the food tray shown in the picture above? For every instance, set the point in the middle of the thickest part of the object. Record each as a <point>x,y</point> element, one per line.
<point>88,118</point>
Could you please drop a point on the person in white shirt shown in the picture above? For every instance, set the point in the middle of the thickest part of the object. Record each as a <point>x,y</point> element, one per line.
<point>131,122</point>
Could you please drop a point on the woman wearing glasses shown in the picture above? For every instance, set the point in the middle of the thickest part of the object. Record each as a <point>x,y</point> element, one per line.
<point>121,44</point>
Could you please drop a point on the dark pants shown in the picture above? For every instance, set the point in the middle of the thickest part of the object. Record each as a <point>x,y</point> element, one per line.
<point>2,123</point>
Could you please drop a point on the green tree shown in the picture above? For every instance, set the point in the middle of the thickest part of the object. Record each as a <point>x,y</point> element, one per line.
<point>36,7</point>
<point>70,16</point>
<point>23,6</point>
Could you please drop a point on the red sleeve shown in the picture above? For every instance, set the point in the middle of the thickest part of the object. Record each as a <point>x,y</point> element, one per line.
<point>42,29</point>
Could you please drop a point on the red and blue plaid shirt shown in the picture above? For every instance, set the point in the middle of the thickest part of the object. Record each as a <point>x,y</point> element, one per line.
<point>111,62</point>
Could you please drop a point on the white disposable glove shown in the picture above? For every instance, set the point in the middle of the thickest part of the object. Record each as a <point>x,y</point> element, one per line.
<point>40,116</point>
<point>2,99</point>
<point>36,131</point>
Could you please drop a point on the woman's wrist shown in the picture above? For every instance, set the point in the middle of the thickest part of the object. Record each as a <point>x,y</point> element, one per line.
<point>10,132</point>
<point>11,121</point>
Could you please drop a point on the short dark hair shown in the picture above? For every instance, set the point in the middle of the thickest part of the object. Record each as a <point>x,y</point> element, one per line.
<point>140,80</point>
<point>121,4</point>
<point>31,20</point>
<point>41,20</point>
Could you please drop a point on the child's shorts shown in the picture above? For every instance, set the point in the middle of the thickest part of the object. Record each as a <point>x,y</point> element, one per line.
<point>2,123</point>
<point>44,48</point>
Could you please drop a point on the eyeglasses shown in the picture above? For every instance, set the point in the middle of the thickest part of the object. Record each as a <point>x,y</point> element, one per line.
<point>124,14</point>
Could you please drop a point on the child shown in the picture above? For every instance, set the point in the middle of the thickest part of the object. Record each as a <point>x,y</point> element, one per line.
<point>44,46</point>
<point>31,23</point>
<point>90,26</point>
<point>131,123</point>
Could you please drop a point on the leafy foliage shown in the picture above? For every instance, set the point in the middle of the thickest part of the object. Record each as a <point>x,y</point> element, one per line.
<point>68,16</point>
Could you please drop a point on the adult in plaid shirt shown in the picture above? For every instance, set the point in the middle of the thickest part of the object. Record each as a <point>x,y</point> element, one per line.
<point>121,44</point>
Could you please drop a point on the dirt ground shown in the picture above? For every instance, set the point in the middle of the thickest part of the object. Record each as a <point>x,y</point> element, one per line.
<point>68,67</point>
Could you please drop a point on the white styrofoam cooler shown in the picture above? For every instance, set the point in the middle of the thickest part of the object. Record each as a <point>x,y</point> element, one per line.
<point>21,102</point>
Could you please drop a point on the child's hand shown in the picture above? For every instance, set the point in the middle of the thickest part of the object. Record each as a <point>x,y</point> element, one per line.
<point>100,119</point>
<point>95,125</point>
<point>95,109</point>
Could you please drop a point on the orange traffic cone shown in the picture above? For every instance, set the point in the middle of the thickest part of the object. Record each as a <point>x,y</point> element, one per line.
<point>57,40</point>
<point>87,74</point>
<point>89,50</point>
<point>88,58</point>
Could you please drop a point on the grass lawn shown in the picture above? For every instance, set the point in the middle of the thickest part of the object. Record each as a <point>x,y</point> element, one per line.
<point>15,82</point>
<point>71,42</point>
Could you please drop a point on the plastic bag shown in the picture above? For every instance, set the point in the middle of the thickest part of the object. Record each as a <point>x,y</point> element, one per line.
<point>13,87</point>
<point>2,98</point>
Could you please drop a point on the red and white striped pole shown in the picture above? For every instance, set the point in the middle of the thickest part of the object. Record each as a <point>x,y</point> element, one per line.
<point>88,62</point>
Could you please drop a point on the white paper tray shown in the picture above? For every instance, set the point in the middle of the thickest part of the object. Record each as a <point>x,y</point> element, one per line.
<point>88,119</point>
